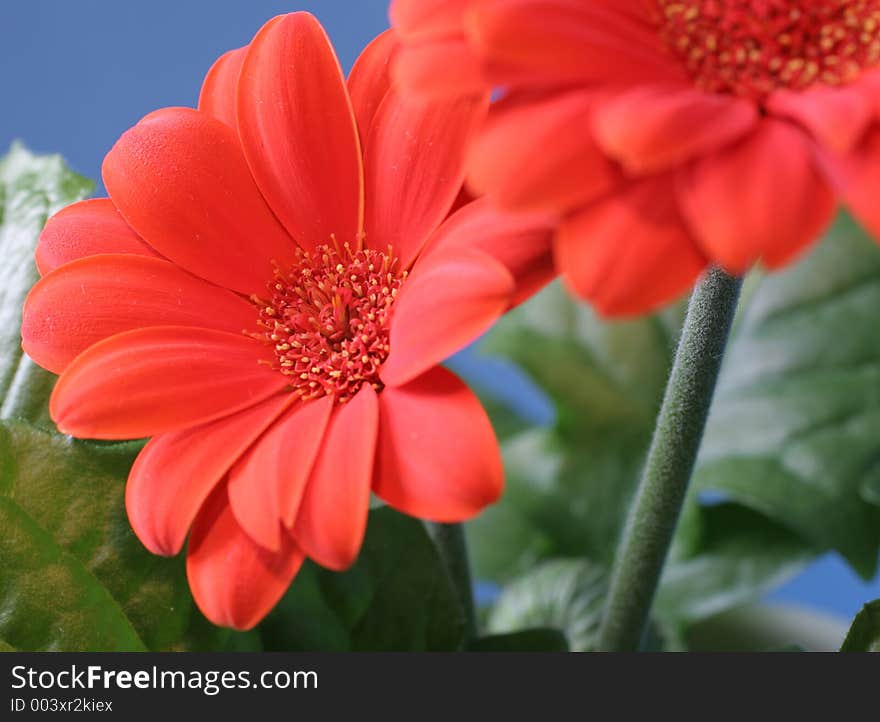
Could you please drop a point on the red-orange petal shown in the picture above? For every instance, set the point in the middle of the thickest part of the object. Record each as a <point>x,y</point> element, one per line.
<point>181,181</point>
<point>858,175</point>
<point>332,517</point>
<point>629,253</point>
<point>653,128</point>
<point>414,166</point>
<point>447,302</point>
<point>440,68</point>
<point>299,133</point>
<point>175,472</point>
<point>217,97</point>
<point>84,229</point>
<point>370,79</point>
<point>523,243</point>
<point>539,154</point>
<point>568,41</point>
<point>837,117</point>
<point>95,297</point>
<point>436,59</point>
<point>234,580</point>
<point>760,199</point>
<point>154,380</point>
<point>419,18</point>
<point>438,457</point>
<point>267,484</point>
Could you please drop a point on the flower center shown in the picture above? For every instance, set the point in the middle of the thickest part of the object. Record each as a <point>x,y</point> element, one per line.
<point>328,319</point>
<point>751,47</point>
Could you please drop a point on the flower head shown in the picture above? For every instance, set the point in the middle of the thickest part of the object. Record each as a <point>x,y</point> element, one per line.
<point>267,293</point>
<point>664,134</point>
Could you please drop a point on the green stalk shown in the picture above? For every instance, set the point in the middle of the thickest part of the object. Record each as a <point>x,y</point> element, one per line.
<point>670,462</point>
<point>452,546</point>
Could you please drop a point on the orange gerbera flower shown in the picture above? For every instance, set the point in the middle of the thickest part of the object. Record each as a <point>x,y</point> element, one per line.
<point>664,134</point>
<point>267,293</point>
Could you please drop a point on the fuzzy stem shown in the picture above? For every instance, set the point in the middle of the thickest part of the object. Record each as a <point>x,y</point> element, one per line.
<point>452,546</point>
<point>670,462</point>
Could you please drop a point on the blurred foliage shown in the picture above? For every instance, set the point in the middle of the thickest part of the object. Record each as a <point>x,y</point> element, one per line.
<point>726,555</point>
<point>791,461</point>
<point>526,640</point>
<point>397,597</point>
<point>864,634</point>
<point>565,594</point>
<point>32,188</point>
<point>795,430</point>
<point>766,628</point>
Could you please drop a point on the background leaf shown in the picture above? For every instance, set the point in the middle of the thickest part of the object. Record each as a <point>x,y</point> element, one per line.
<point>397,597</point>
<point>795,428</point>
<point>766,628</point>
<point>526,640</point>
<point>738,555</point>
<point>564,594</point>
<point>864,634</point>
<point>32,188</point>
<point>72,574</point>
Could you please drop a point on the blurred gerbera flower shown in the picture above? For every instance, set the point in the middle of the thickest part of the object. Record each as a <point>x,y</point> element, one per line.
<point>664,134</point>
<point>267,293</point>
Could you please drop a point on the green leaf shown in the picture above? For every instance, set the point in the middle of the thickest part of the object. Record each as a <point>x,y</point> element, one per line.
<point>72,574</point>
<point>870,489</point>
<point>766,628</point>
<point>795,428</point>
<point>397,596</point>
<point>6,647</point>
<point>617,369</point>
<point>510,537</point>
<point>505,421</point>
<point>32,188</point>
<point>864,634</point>
<point>564,594</point>
<point>740,555</point>
<point>526,640</point>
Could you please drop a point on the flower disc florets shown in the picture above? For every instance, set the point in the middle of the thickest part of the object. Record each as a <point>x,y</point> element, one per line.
<point>328,318</point>
<point>752,47</point>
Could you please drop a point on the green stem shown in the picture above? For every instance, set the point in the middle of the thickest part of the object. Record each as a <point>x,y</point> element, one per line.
<point>670,462</point>
<point>452,546</point>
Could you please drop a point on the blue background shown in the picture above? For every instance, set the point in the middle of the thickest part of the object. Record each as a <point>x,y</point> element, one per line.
<point>77,73</point>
